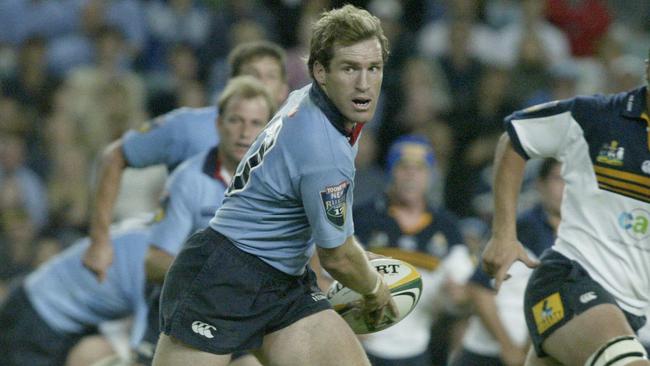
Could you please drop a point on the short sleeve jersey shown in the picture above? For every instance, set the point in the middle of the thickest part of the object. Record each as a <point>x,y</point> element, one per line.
<point>603,143</point>
<point>171,138</point>
<point>69,298</point>
<point>294,186</point>
<point>192,194</point>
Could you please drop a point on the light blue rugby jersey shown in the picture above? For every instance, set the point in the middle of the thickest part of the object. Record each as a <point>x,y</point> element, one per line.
<point>69,297</point>
<point>294,186</point>
<point>192,194</point>
<point>171,138</point>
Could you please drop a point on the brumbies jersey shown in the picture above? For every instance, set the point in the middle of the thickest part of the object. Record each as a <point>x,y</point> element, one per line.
<point>171,138</point>
<point>294,186</point>
<point>192,194</point>
<point>604,146</point>
<point>69,298</point>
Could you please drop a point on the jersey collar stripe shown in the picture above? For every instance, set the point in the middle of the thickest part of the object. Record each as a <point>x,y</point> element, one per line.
<point>621,175</point>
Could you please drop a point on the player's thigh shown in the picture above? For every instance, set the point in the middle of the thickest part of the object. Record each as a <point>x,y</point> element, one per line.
<point>245,360</point>
<point>171,352</point>
<point>533,360</point>
<point>320,339</point>
<point>90,349</point>
<point>584,334</point>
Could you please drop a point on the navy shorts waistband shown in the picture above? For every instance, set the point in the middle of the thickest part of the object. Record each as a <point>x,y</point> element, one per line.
<point>226,245</point>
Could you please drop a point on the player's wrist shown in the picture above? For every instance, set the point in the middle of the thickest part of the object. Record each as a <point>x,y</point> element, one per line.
<point>375,291</point>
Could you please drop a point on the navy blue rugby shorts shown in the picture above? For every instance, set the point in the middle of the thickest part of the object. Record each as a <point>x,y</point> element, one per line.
<point>558,290</point>
<point>220,299</point>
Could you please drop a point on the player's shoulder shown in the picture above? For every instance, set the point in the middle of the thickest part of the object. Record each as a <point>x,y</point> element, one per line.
<point>179,119</point>
<point>304,127</point>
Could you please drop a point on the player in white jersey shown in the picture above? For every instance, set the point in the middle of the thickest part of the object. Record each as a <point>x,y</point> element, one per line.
<point>586,299</point>
<point>170,139</point>
<point>243,282</point>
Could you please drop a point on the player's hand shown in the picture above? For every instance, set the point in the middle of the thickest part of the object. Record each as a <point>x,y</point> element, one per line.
<point>500,254</point>
<point>98,258</point>
<point>379,305</point>
<point>372,255</point>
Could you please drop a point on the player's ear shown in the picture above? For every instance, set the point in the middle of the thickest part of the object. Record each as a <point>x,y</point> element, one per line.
<point>319,73</point>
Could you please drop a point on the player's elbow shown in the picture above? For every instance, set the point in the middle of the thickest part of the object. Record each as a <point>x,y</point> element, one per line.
<point>335,260</point>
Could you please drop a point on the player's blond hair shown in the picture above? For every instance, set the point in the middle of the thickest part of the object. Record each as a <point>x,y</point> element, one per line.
<point>246,87</point>
<point>343,26</point>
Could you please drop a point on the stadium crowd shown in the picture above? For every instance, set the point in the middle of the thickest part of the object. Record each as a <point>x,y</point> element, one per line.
<point>76,74</point>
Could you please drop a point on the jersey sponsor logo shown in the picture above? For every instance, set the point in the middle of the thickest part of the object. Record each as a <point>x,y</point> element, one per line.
<point>203,329</point>
<point>645,167</point>
<point>548,312</point>
<point>611,154</point>
<point>587,297</point>
<point>334,201</point>
<point>635,223</point>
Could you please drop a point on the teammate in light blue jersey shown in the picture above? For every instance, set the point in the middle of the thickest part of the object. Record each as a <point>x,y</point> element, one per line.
<point>170,139</point>
<point>196,188</point>
<point>241,284</point>
<point>61,301</point>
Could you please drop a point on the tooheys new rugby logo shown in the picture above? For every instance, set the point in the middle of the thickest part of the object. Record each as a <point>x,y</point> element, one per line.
<point>333,198</point>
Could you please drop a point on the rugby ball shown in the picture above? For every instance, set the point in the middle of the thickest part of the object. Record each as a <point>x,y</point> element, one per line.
<point>404,282</point>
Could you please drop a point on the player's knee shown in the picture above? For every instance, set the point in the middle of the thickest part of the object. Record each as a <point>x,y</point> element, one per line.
<point>619,351</point>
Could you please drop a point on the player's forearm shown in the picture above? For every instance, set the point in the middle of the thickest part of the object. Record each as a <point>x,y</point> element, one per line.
<point>348,265</point>
<point>156,265</point>
<point>486,309</point>
<point>108,184</point>
<point>509,170</point>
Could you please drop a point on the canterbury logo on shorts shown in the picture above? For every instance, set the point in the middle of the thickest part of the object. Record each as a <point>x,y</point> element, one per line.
<point>203,329</point>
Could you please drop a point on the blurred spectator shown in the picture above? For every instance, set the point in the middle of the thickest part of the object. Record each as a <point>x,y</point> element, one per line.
<point>584,21</point>
<point>167,86</point>
<point>370,177</point>
<point>476,127</point>
<point>461,18</point>
<point>23,19</point>
<point>30,196</point>
<point>104,99</point>
<point>32,84</point>
<point>532,25</point>
<point>172,22</point>
<point>80,48</point>
<point>625,73</point>
<point>563,83</point>
<point>401,224</point>
<point>531,70</point>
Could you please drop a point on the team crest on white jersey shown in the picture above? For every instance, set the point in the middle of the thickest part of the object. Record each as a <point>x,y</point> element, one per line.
<point>334,201</point>
<point>611,154</point>
<point>645,167</point>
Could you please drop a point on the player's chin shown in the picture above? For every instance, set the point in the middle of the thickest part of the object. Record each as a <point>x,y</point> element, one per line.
<point>360,116</point>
